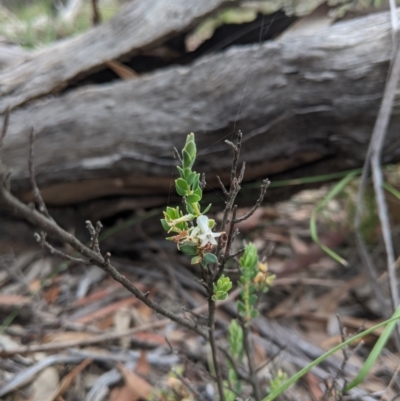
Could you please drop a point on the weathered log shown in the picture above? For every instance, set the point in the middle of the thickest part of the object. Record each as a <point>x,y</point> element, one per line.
<point>298,101</point>
<point>138,26</point>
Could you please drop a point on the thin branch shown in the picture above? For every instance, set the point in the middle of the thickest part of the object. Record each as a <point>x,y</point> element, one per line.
<point>41,238</point>
<point>94,235</point>
<point>96,19</point>
<point>225,192</point>
<point>5,126</point>
<point>35,189</point>
<point>57,232</point>
<point>211,337</point>
<point>250,362</point>
<point>264,187</point>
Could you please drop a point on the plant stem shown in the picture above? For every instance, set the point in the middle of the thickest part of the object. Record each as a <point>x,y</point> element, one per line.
<point>252,370</point>
<point>214,349</point>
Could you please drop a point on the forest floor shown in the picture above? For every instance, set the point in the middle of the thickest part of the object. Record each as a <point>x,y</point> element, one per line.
<point>69,332</point>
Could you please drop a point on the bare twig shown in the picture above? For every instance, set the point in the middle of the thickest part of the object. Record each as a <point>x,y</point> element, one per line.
<point>96,19</point>
<point>373,158</point>
<point>41,238</point>
<point>250,362</point>
<point>211,337</point>
<point>264,187</point>
<point>94,235</point>
<point>36,193</point>
<point>4,128</point>
<point>104,263</point>
<point>225,192</point>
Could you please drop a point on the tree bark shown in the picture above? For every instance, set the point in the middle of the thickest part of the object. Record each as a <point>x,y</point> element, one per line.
<point>299,101</point>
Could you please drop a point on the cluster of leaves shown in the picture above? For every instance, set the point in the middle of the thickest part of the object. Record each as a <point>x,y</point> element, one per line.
<point>254,278</point>
<point>195,241</point>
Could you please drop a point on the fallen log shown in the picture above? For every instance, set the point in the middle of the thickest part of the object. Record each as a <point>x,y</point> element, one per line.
<point>305,100</point>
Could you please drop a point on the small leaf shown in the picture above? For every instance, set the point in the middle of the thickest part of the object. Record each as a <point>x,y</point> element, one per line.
<point>195,260</point>
<point>187,160</point>
<point>165,225</point>
<point>206,209</point>
<point>196,181</point>
<point>193,198</point>
<point>198,192</point>
<point>220,296</point>
<point>254,313</point>
<point>190,177</point>
<point>189,248</point>
<point>191,149</point>
<point>181,172</point>
<point>210,258</point>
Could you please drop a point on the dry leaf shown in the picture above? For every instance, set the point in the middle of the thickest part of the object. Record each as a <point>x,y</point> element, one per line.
<point>107,310</point>
<point>51,294</point>
<point>45,384</point>
<point>143,366</point>
<point>13,300</point>
<point>123,71</point>
<point>67,380</point>
<point>139,387</point>
<point>122,394</point>
<point>66,336</point>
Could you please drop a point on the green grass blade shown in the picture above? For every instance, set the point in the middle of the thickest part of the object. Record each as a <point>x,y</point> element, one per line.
<point>390,322</point>
<point>339,187</point>
<point>376,351</point>
<point>392,190</point>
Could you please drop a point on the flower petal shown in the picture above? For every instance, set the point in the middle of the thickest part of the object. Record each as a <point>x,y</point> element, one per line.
<point>202,222</point>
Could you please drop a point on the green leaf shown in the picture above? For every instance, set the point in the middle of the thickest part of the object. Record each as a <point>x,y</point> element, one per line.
<point>206,209</point>
<point>190,208</point>
<point>241,306</point>
<point>187,161</point>
<point>166,227</point>
<point>181,171</point>
<point>196,181</point>
<point>235,339</point>
<point>248,262</point>
<point>210,258</point>
<point>182,184</point>
<point>198,192</point>
<point>193,198</point>
<point>190,177</point>
<point>172,212</point>
<point>195,260</point>
<point>189,138</point>
<point>189,248</point>
<point>220,296</point>
<point>254,313</point>
<point>191,149</point>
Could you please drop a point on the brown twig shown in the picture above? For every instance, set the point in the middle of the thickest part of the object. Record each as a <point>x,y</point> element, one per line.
<point>41,238</point>
<point>4,128</point>
<point>52,228</point>
<point>250,362</point>
<point>264,188</point>
<point>211,336</point>
<point>94,235</point>
<point>225,192</point>
<point>96,19</point>
<point>35,189</point>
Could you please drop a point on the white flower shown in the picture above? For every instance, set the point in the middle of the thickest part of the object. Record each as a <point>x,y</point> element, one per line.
<point>206,236</point>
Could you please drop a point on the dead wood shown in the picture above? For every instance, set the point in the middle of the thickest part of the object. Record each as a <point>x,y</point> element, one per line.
<point>298,101</point>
